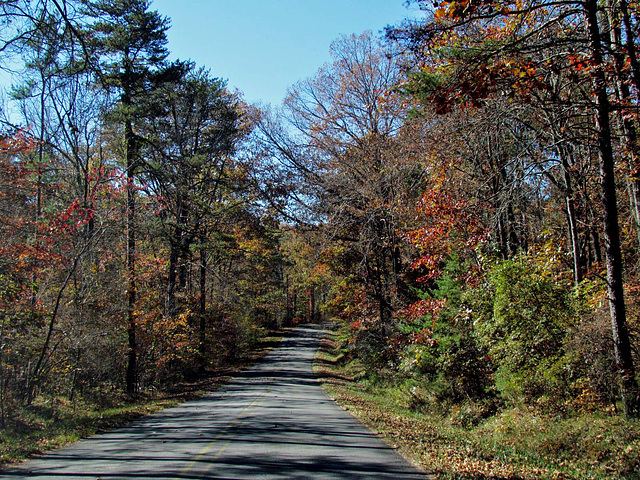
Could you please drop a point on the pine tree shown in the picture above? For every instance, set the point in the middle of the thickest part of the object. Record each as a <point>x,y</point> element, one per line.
<point>131,60</point>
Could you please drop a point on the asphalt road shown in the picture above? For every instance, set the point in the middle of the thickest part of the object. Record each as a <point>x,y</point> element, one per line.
<point>274,421</point>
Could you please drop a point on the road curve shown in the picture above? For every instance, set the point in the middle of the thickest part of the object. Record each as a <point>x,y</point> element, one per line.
<point>273,421</point>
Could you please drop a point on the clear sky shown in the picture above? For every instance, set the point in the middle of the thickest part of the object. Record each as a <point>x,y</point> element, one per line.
<point>264,46</point>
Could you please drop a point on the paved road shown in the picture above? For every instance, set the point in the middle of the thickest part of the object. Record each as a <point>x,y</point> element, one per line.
<point>272,422</point>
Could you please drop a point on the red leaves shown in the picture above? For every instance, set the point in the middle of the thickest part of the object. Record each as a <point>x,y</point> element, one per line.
<point>450,225</point>
<point>44,223</point>
<point>70,219</point>
<point>16,143</point>
<point>429,308</point>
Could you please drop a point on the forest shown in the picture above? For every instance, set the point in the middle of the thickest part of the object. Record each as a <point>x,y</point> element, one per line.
<point>459,196</point>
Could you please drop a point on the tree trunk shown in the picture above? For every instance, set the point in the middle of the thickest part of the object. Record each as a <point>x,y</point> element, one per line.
<point>575,240</point>
<point>312,304</point>
<point>202,341</point>
<point>132,355</point>
<point>203,281</point>
<point>630,45</point>
<point>170,308</point>
<point>634,198</point>
<point>574,234</point>
<point>294,304</point>
<point>287,316</point>
<point>3,376</point>
<point>613,254</point>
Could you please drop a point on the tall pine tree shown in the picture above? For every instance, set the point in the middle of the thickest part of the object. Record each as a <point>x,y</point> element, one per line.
<point>130,42</point>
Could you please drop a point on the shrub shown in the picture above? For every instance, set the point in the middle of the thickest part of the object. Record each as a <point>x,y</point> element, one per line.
<point>444,350</point>
<point>533,312</point>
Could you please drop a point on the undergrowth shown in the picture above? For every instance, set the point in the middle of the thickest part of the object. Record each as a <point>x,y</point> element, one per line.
<point>475,440</point>
<point>53,422</point>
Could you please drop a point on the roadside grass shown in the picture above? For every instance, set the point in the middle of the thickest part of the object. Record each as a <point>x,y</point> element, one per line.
<point>459,443</point>
<point>53,423</point>
<point>50,423</point>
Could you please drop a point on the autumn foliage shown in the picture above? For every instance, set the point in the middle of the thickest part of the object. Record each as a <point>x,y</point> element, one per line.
<point>450,195</point>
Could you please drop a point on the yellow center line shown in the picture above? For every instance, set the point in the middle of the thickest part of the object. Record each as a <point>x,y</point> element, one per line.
<point>210,446</point>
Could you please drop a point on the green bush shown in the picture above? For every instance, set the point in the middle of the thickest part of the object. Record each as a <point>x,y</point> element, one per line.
<point>533,313</point>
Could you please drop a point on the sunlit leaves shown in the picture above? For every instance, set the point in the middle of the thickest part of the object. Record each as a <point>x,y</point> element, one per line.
<point>450,226</point>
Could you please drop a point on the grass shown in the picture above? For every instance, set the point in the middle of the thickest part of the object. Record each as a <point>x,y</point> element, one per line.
<point>46,425</point>
<point>458,443</point>
<point>55,422</point>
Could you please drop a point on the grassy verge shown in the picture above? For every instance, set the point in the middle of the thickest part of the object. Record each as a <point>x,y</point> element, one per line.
<point>54,422</point>
<point>516,443</point>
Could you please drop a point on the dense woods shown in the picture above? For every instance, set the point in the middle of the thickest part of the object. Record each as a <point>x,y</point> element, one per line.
<point>461,195</point>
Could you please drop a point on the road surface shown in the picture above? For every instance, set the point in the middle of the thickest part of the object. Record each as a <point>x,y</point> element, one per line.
<point>273,421</point>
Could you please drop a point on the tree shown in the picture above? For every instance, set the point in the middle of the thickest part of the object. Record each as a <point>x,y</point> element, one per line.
<point>191,140</point>
<point>349,125</point>
<point>16,268</point>
<point>130,42</point>
<point>479,66</point>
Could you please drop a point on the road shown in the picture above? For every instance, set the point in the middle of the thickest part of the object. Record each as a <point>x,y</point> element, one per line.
<point>273,421</point>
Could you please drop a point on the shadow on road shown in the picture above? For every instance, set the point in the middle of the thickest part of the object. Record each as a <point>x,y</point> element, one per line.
<point>271,422</point>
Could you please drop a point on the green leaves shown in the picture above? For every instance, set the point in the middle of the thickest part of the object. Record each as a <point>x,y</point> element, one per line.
<point>526,334</point>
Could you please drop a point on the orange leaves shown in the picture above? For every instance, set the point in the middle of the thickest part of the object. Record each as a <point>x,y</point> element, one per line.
<point>473,85</point>
<point>580,63</point>
<point>525,70</point>
<point>439,14</point>
<point>474,47</point>
<point>356,325</point>
<point>515,77</point>
<point>455,10</point>
<point>444,10</point>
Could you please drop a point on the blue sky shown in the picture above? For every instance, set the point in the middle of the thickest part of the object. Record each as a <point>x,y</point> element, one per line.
<point>263,46</point>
